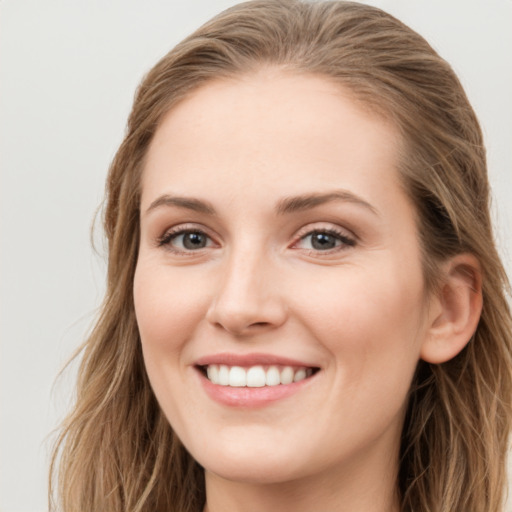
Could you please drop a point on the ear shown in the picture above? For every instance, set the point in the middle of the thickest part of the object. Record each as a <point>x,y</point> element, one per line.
<point>455,310</point>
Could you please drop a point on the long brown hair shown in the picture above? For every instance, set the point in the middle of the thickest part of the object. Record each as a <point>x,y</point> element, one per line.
<point>118,452</point>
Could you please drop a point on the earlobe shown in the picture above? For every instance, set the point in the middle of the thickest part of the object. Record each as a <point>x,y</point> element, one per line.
<point>455,311</point>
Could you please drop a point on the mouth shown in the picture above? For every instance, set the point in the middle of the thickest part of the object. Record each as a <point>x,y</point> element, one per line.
<point>256,376</point>
<point>253,380</point>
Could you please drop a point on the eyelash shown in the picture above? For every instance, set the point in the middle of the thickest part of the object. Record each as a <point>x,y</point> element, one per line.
<point>340,236</point>
<point>173,233</point>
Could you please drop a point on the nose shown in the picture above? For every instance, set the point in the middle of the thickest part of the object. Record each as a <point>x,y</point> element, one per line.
<point>248,298</point>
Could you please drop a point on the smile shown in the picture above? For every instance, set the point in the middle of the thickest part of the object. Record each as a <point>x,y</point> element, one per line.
<point>257,376</point>
<point>253,380</point>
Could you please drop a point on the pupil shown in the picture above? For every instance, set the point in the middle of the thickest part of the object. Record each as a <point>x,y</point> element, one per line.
<point>323,241</point>
<point>194,241</point>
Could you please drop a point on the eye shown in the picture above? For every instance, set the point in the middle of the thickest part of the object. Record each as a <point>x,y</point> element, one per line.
<point>185,240</point>
<point>325,240</point>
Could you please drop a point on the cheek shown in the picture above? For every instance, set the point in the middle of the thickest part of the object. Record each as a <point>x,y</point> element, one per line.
<point>168,307</point>
<point>368,318</point>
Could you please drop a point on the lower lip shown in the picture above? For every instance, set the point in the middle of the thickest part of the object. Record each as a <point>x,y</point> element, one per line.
<point>251,397</point>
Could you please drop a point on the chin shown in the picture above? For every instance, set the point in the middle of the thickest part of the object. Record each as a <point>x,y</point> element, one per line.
<point>253,472</point>
<point>255,463</point>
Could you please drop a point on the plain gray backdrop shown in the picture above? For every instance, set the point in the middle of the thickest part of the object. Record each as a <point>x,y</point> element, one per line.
<point>68,71</point>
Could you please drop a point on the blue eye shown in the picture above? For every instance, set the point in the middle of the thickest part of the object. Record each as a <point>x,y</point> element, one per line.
<point>325,240</point>
<point>186,240</point>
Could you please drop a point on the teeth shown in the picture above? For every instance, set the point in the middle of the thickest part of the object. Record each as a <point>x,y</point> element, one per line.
<point>213,372</point>
<point>223,375</point>
<point>273,377</point>
<point>255,376</point>
<point>299,375</point>
<point>237,377</point>
<point>287,375</point>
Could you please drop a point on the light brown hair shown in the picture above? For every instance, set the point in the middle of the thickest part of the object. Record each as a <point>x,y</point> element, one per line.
<point>117,450</point>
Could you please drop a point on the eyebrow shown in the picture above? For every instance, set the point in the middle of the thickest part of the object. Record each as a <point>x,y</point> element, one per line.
<point>284,206</point>
<point>308,201</point>
<point>188,203</point>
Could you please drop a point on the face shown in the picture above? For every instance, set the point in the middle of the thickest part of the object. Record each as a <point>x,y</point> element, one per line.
<point>278,289</point>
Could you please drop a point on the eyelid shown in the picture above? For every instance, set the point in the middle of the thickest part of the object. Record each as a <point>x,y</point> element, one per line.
<point>325,226</point>
<point>164,240</point>
<point>347,237</point>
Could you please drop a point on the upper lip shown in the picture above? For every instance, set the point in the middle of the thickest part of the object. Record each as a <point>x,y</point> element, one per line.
<point>230,359</point>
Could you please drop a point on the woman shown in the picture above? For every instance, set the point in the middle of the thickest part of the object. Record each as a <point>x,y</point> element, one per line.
<point>305,308</point>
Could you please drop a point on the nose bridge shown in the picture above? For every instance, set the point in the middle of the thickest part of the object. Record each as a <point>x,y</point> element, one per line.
<point>247,295</point>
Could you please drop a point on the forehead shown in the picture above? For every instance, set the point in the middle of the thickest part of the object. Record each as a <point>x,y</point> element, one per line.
<point>268,130</point>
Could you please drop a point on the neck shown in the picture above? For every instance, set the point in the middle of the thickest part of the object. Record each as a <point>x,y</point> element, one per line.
<point>357,489</point>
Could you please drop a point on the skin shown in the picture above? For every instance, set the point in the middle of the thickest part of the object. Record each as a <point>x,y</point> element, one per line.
<point>358,311</point>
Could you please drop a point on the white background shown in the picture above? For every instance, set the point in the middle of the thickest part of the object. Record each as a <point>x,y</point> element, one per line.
<point>68,70</point>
